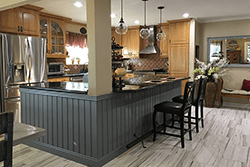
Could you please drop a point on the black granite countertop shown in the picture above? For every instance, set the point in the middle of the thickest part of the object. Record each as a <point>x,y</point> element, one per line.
<point>68,75</point>
<point>71,87</point>
<point>139,82</point>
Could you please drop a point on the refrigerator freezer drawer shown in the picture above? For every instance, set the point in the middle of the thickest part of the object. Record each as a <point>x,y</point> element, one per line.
<point>11,92</point>
<point>13,105</point>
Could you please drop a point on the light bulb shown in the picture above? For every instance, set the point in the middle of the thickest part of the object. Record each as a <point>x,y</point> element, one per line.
<point>161,36</point>
<point>121,27</point>
<point>144,33</point>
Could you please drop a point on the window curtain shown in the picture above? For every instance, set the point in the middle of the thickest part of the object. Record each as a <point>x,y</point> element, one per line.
<point>76,39</point>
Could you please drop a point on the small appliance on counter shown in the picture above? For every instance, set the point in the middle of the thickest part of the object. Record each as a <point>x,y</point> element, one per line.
<point>55,68</point>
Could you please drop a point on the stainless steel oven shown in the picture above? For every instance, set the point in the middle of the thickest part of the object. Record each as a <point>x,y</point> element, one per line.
<point>55,68</point>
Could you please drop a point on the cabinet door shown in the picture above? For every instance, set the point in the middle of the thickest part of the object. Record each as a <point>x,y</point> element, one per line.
<point>28,20</point>
<point>44,30</point>
<point>57,37</point>
<point>8,21</point>
<point>164,45</point>
<point>179,32</point>
<point>134,42</point>
<point>179,59</point>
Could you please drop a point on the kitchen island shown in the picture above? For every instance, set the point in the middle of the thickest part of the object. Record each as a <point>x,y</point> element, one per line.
<point>93,130</point>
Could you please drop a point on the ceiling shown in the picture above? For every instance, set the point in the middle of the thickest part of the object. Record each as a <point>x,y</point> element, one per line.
<point>202,10</point>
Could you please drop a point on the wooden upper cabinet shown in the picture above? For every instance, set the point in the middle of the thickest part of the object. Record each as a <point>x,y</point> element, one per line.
<point>164,45</point>
<point>53,31</point>
<point>179,60</point>
<point>179,31</point>
<point>132,42</point>
<point>22,20</point>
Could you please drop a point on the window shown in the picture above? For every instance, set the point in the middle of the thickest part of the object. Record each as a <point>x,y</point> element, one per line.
<point>77,55</point>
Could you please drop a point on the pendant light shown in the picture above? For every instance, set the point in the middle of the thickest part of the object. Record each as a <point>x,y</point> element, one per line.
<point>121,27</point>
<point>161,35</point>
<point>145,33</point>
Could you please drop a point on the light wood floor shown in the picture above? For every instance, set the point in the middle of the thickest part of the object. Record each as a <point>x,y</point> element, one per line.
<point>223,142</point>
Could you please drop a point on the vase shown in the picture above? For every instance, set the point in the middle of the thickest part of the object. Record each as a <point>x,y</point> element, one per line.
<point>78,61</point>
<point>211,90</point>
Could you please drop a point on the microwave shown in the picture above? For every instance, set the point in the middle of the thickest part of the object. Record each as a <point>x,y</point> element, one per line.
<point>55,68</point>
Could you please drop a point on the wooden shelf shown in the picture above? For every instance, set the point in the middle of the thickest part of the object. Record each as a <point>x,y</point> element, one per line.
<point>57,56</point>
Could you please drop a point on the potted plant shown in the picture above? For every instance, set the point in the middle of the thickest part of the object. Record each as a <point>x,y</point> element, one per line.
<point>73,60</point>
<point>78,60</point>
<point>213,72</point>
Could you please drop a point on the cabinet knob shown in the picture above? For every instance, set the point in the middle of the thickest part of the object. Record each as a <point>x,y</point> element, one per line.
<point>170,41</point>
<point>21,28</point>
<point>18,28</point>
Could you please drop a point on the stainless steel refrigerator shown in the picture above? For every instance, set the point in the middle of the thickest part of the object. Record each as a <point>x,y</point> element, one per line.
<point>22,61</point>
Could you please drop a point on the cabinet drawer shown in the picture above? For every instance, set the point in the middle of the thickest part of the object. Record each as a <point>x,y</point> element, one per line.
<point>63,79</point>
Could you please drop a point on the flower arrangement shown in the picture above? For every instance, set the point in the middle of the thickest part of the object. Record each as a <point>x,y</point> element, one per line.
<point>211,70</point>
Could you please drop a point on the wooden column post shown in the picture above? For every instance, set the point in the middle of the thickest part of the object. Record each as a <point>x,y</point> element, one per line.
<point>99,45</point>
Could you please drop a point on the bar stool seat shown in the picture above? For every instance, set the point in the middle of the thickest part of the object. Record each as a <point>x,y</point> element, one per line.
<point>179,109</point>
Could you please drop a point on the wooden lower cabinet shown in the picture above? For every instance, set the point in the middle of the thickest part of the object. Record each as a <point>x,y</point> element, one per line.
<point>179,60</point>
<point>62,79</point>
<point>183,83</point>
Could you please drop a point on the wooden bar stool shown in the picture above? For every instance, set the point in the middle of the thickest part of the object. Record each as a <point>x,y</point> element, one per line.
<point>179,109</point>
<point>197,102</point>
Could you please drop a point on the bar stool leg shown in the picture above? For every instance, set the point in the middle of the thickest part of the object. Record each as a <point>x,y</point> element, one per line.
<point>173,120</point>
<point>182,131</point>
<point>197,117</point>
<point>202,122</point>
<point>154,124</point>
<point>189,125</point>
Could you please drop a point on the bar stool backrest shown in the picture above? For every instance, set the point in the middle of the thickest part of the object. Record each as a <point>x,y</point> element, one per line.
<point>188,95</point>
<point>202,89</point>
<point>6,128</point>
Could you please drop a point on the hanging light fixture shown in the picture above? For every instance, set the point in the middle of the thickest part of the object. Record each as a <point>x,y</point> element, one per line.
<point>144,33</point>
<point>121,27</point>
<point>161,35</point>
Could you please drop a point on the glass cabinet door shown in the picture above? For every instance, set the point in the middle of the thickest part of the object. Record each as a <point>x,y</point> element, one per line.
<point>57,39</point>
<point>44,31</point>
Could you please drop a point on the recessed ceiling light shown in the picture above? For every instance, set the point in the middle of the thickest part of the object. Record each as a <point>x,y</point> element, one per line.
<point>185,15</point>
<point>78,4</point>
<point>113,15</point>
<point>137,21</point>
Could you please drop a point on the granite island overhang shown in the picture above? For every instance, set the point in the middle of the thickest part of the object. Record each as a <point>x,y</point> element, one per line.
<point>92,130</point>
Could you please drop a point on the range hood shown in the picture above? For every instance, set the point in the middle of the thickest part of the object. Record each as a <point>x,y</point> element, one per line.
<point>152,48</point>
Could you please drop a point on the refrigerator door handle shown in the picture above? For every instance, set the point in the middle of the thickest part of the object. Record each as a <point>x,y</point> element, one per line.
<point>14,100</point>
<point>43,59</point>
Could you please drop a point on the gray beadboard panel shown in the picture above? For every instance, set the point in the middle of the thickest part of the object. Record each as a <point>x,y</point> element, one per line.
<point>114,121</point>
<point>100,133</point>
<point>32,111</point>
<point>54,112</point>
<point>36,111</point>
<point>88,128</point>
<point>40,115</point>
<point>110,121</point>
<point>60,122</point>
<point>70,124</point>
<point>65,123</point>
<point>50,121</point>
<point>82,125</point>
<point>76,125</point>
<point>23,108</point>
<point>45,120</point>
<point>27,109</point>
<point>105,127</point>
<point>94,130</point>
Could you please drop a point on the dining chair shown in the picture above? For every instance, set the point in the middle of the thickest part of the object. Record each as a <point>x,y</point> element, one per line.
<point>6,128</point>
<point>197,102</point>
<point>179,109</point>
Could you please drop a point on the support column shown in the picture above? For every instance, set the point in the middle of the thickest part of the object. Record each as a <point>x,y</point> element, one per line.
<point>99,45</point>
